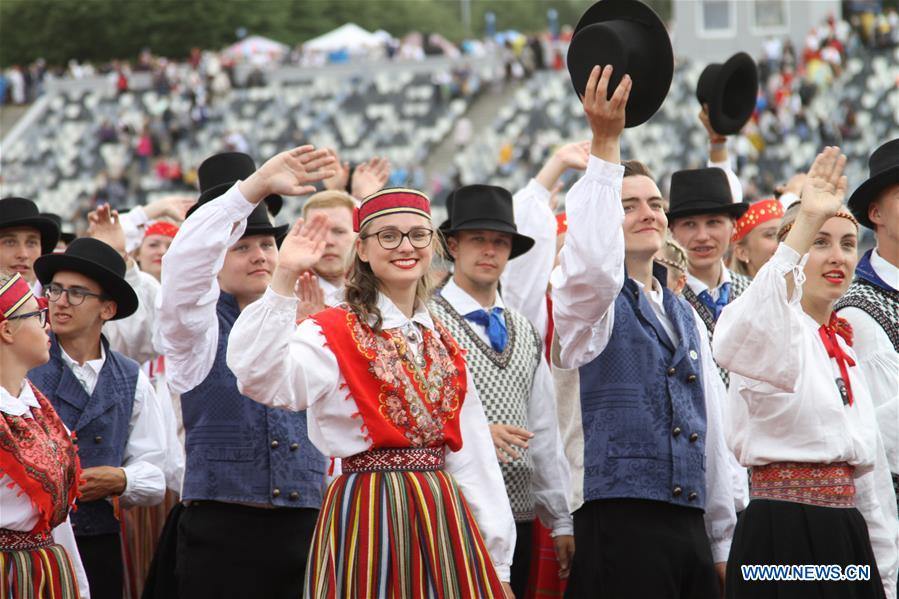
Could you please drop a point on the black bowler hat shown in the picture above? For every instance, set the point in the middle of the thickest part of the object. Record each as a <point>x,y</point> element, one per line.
<point>97,261</point>
<point>19,212</point>
<point>65,237</point>
<point>484,208</point>
<point>883,167</point>
<point>702,191</point>
<point>220,171</point>
<point>730,90</point>
<point>631,37</point>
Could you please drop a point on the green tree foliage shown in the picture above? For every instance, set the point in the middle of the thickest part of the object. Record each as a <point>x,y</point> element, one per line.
<point>101,30</point>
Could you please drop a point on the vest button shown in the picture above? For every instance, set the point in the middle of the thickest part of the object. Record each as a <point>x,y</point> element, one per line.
<point>671,371</point>
<point>694,437</point>
<point>98,439</point>
<point>275,444</point>
<point>294,446</point>
<point>294,496</point>
<point>692,496</point>
<point>691,378</point>
<point>676,431</point>
<point>677,491</point>
<point>276,492</point>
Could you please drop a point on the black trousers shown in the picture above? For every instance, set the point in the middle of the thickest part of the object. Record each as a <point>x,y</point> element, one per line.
<point>101,556</point>
<point>521,559</point>
<point>640,549</point>
<point>228,551</point>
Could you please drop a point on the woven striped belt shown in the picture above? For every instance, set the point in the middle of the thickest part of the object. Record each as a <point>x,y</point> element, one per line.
<point>396,460</point>
<point>827,485</point>
<point>17,540</point>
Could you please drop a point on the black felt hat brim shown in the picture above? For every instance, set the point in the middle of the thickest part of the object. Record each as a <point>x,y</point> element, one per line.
<point>594,44</point>
<point>730,90</point>
<point>114,287</point>
<point>520,243</point>
<point>686,209</point>
<point>868,191</point>
<point>48,230</point>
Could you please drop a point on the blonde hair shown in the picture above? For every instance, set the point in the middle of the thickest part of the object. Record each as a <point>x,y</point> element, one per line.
<point>673,255</point>
<point>330,198</point>
<point>361,291</point>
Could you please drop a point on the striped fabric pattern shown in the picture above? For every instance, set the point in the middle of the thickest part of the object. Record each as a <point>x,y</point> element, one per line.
<point>45,573</point>
<point>398,535</point>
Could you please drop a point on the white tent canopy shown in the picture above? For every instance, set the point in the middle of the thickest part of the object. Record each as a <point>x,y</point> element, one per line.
<point>349,37</point>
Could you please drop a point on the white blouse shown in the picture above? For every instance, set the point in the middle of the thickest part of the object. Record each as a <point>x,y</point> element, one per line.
<point>16,511</point>
<point>785,405</point>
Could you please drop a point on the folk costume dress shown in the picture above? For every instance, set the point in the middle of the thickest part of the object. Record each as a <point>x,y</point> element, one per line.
<point>802,417</point>
<point>420,509</point>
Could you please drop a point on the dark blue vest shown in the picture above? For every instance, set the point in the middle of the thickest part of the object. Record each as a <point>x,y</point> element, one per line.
<point>643,407</point>
<point>101,421</point>
<point>241,451</point>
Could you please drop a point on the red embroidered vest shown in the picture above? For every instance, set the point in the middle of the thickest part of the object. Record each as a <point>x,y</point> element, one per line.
<point>39,455</point>
<point>400,403</point>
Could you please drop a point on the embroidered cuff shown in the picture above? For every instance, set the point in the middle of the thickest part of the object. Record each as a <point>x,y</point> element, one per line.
<point>281,307</point>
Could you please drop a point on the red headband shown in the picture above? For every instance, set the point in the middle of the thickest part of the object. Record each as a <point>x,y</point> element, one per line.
<point>13,294</point>
<point>161,227</point>
<point>758,213</point>
<point>561,223</point>
<point>390,201</point>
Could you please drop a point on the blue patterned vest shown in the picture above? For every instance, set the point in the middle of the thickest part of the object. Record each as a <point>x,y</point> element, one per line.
<point>101,421</point>
<point>240,451</point>
<point>643,407</point>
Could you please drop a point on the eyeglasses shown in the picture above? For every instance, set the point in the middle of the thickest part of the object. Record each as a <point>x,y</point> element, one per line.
<point>390,239</point>
<point>75,295</point>
<point>41,316</point>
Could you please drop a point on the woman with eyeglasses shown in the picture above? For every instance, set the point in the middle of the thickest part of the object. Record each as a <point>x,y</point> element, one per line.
<point>420,509</point>
<point>39,467</point>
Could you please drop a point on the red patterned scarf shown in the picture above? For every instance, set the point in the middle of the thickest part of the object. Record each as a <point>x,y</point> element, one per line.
<point>39,456</point>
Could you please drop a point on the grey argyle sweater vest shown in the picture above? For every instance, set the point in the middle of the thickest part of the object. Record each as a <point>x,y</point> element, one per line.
<point>504,381</point>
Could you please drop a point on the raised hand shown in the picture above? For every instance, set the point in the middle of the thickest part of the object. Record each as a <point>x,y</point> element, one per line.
<point>574,155</point>
<point>825,186</point>
<point>704,118</point>
<point>289,173</point>
<point>341,174</point>
<point>173,206</point>
<point>300,250</point>
<point>104,225</point>
<point>606,116</point>
<point>370,177</point>
<point>311,296</point>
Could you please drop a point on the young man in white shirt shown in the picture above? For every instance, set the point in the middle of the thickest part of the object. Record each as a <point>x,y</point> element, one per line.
<point>505,355</point>
<point>872,303</point>
<point>657,480</point>
<point>105,398</point>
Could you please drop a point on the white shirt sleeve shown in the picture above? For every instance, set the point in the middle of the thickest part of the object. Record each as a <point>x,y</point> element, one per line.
<point>133,223</point>
<point>879,363</point>
<point>591,270</point>
<point>477,472</point>
<point>188,324</point>
<point>276,362</point>
<point>526,278</point>
<point>63,535</point>
<point>720,516</point>
<point>744,334</point>
<point>551,478</point>
<point>145,453</point>
<point>736,188</point>
<point>133,336</point>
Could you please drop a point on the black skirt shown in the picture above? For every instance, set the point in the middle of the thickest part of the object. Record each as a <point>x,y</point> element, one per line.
<point>787,533</point>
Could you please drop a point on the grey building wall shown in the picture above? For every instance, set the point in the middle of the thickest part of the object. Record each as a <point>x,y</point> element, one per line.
<point>713,30</point>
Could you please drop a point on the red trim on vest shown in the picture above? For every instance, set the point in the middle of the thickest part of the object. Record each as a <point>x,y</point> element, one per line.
<point>39,455</point>
<point>378,379</point>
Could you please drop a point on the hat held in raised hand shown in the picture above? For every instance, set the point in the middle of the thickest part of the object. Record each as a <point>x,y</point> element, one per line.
<point>631,37</point>
<point>730,90</point>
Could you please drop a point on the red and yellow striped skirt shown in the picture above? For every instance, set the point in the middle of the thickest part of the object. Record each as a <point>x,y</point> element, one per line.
<point>34,567</point>
<point>397,533</point>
